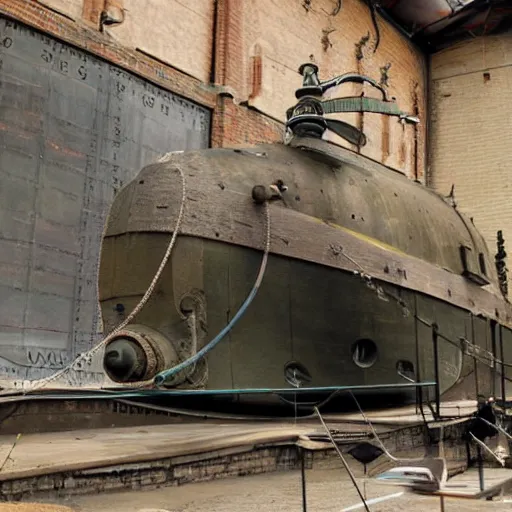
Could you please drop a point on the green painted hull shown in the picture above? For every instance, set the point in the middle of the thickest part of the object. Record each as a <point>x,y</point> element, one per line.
<point>308,312</point>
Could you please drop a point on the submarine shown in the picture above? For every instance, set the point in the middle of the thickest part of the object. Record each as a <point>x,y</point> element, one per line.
<point>311,266</point>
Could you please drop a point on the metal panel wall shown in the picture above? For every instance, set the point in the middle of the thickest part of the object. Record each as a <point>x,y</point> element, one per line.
<point>73,130</point>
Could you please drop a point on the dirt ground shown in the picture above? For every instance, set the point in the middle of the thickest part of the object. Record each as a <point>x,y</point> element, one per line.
<point>328,490</point>
<point>32,507</point>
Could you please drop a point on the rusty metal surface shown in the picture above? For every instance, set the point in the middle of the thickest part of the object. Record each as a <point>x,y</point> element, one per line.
<point>73,130</point>
<point>332,184</point>
<point>342,216</point>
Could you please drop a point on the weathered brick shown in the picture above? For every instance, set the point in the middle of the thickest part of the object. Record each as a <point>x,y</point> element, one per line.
<point>84,36</point>
<point>70,8</point>
<point>175,32</point>
<point>239,125</point>
<point>471,140</point>
<point>260,46</point>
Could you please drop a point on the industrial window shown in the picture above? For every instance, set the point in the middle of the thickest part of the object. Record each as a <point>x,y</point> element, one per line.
<point>473,268</point>
<point>364,353</point>
<point>481,261</point>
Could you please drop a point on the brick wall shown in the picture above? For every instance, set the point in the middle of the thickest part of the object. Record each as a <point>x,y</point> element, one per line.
<point>234,125</point>
<point>84,34</point>
<point>253,49</point>
<point>69,8</point>
<point>264,42</point>
<point>175,32</point>
<point>471,137</point>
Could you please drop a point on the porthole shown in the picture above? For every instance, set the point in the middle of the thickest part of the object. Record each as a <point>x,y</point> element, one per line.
<point>364,353</point>
<point>296,374</point>
<point>405,369</point>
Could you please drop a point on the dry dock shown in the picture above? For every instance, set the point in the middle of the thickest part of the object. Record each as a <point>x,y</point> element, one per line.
<point>89,461</point>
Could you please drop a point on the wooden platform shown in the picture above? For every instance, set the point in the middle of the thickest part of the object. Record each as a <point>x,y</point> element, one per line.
<point>38,454</point>
<point>467,485</point>
<point>97,460</point>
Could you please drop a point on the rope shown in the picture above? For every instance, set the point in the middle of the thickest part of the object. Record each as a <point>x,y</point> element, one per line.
<point>163,376</point>
<point>86,356</point>
<point>374,432</point>
<point>486,448</point>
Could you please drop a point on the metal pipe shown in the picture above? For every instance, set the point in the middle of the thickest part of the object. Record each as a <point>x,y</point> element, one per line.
<point>502,357</point>
<point>436,368</point>
<point>475,364</point>
<point>112,393</point>
<point>351,475</point>
<point>494,364</point>
<point>303,474</point>
<point>480,466</point>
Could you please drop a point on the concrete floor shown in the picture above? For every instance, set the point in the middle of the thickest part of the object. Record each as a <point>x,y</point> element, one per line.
<point>32,507</point>
<point>328,490</point>
<point>54,452</point>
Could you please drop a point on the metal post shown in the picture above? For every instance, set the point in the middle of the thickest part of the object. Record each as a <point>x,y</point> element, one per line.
<point>502,357</point>
<point>419,391</point>
<point>494,348</point>
<point>480,466</point>
<point>303,473</point>
<point>364,482</point>
<point>436,364</point>
<point>340,455</point>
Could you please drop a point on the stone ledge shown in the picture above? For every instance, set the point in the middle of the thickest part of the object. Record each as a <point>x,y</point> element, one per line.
<point>166,472</point>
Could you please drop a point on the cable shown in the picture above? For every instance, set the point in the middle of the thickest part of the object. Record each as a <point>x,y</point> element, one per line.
<point>373,13</point>
<point>342,459</point>
<point>37,384</point>
<point>135,391</point>
<point>497,427</point>
<point>501,461</point>
<point>163,376</point>
<point>311,405</point>
<point>374,432</point>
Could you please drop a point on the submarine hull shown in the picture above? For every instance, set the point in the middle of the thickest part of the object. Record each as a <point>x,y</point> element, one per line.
<point>303,313</point>
<point>341,304</point>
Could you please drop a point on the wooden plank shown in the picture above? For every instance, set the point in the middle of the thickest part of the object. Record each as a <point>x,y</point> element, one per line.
<point>466,485</point>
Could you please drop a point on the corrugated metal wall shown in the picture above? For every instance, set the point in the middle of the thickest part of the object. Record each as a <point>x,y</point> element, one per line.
<point>73,130</point>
